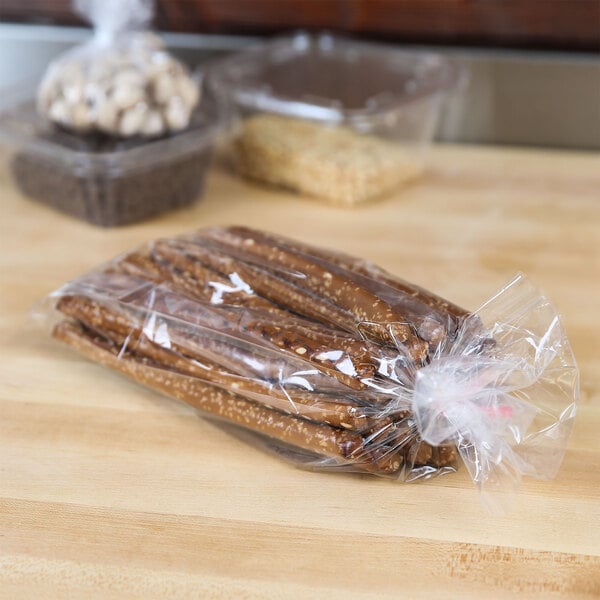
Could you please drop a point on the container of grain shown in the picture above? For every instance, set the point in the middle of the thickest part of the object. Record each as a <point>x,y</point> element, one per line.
<point>335,119</point>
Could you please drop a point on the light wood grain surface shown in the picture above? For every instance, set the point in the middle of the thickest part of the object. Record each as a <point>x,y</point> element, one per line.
<point>108,490</point>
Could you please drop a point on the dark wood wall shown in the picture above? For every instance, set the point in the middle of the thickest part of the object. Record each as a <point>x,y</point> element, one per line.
<point>544,24</point>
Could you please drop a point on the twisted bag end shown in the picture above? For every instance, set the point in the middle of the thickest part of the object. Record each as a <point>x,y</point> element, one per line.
<point>504,393</point>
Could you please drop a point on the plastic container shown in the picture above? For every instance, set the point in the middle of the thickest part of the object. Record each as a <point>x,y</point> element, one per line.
<point>390,97</point>
<point>101,179</point>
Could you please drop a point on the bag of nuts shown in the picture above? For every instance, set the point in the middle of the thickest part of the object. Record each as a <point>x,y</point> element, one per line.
<point>122,82</point>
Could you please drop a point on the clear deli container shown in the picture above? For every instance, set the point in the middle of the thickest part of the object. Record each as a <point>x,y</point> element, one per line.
<point>342,120</point>
<point>104,180</point>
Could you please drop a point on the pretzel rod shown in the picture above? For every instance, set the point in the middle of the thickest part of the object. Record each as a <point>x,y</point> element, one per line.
<point>263,282</point>
<point>126,332</point>
<point>205,284</point>
<point>182,257</point>
<point>346,367</point>
<point>239,358</point>
<point>313,275</point>
<point>142,265</point>
<point>403,435</point>
<point>409,291</point>
<point>348,360</point>
<point>175,263</point>
<point>405,301</point>
<point>300,301</point>
<point>370,358</point>
<point>186,332</point>
<point>442,456</point>
<point>138,264</point>
<point>429,311</point>
<point>172,261</point>
<point>343,445</point>
<point>183,314</point>
<point>303,297</point>
<point>208,284</point>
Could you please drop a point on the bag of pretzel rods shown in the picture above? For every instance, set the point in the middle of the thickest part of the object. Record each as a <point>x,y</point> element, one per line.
<point>328,360</point>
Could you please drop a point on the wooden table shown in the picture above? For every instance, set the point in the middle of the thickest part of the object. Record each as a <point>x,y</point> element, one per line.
<point>108,490</point>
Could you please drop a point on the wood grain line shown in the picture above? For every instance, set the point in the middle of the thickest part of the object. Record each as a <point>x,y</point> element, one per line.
<point>370,563</point>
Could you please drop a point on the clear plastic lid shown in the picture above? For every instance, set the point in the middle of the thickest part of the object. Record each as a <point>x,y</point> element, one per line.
<point>329,79</point>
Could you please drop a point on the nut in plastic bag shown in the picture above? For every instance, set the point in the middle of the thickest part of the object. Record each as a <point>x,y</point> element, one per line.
<point>122,82</point>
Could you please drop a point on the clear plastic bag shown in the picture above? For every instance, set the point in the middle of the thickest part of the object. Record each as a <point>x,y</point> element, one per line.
<point>122,82</point>
<point>328,360</point>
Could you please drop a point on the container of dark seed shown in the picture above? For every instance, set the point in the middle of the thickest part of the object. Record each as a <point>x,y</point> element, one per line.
<point>117,131</point>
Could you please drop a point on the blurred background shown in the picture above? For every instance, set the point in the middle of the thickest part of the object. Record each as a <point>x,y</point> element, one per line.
<point>534,64</point>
